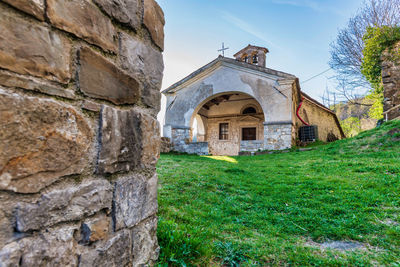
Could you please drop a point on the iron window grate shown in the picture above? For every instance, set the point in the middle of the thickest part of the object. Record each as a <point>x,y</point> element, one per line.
<point>308,133</point>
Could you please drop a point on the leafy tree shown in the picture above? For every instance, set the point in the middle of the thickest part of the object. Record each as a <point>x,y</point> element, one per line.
<point>376,110</point>
<point>347,50</point>
<point>351,126</point>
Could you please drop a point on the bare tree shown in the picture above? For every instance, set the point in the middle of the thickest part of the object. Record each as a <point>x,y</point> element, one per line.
<point>346,51</point>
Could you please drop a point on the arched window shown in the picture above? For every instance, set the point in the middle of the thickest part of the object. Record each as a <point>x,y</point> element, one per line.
<point>249,110</point>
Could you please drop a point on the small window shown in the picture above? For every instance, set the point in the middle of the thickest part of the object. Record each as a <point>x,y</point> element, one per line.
<point>255,59</point>
<point>249,110</point>
<point>223,131</point>
<point>249,134</point>
<point>246,59</point>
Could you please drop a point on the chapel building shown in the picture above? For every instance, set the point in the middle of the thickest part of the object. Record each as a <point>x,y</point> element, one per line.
<point>238,105</point>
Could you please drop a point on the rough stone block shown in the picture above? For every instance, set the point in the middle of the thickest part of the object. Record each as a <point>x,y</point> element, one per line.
<point>83,19</point>
<point>145,63</point>
<point>10,79</point>
<point>151,141</point>
<point>135,199</point>
<point>166,145</point>
<point>95,229</point>
<point>55,247</point>
<point>126,12</point>
<point>10,255</point>
<point>63,205</point>
<point>145,249</point>
<point>154,21</point>
<point>6,227</point>
<point>115,252</point>
<point>90,105</point>
<point>41,141</point>
<point>129,139</point>
<point>32,49</point>
<point>100,78</point>
<point>32,7</point>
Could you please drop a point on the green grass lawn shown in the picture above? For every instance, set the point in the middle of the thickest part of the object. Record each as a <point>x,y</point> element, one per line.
<point>277,209</point>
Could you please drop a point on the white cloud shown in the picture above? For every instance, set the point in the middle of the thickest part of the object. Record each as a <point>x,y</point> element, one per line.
<point>317,6</point>
<point>246,27</point>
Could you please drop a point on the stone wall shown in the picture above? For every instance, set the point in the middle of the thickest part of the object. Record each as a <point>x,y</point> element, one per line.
<point>391,83</point>
<point>251,145</point>
<point>277,136</point>
<point>181,142</point>
<point>198,148</point>
<point>79,140</point>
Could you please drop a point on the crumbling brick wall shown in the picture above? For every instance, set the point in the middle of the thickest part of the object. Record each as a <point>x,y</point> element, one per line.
<point>391,82</point>
<point>79,140</point>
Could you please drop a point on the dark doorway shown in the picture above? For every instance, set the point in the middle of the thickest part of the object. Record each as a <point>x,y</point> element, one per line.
<point>249,134</point>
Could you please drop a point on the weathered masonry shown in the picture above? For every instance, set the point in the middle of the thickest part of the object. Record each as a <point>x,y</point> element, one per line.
<point>234,105</point>
<point>79,92</point>
<point>391,82</point>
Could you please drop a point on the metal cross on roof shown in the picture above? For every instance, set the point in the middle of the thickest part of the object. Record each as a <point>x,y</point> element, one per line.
<point>223,49</point>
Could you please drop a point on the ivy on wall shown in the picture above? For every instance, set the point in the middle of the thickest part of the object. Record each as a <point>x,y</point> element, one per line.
<point>376,41</point>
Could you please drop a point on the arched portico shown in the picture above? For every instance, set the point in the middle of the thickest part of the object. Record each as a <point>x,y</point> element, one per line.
<point>227,130</point>
<point>221,126</point>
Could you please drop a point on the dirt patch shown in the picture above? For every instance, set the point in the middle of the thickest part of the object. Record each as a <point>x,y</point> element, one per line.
<point>390,222</point>
<point>394,131</point>
<point>343,245</point>
<point>338,245</point>
<point>395,134</point>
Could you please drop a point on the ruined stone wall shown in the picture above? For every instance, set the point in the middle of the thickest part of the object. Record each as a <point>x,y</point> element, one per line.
<point>79,140</point>
<point>391,83</point>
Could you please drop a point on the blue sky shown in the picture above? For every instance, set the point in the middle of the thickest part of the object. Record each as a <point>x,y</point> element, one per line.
<point>297,33</point>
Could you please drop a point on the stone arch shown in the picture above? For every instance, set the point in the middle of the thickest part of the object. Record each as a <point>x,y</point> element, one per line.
<point>259,108</point>
<point>226,108</point>
<point>254,59</point>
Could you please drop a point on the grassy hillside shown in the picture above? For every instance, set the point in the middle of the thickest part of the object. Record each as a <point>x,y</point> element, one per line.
<point>281,209</point>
